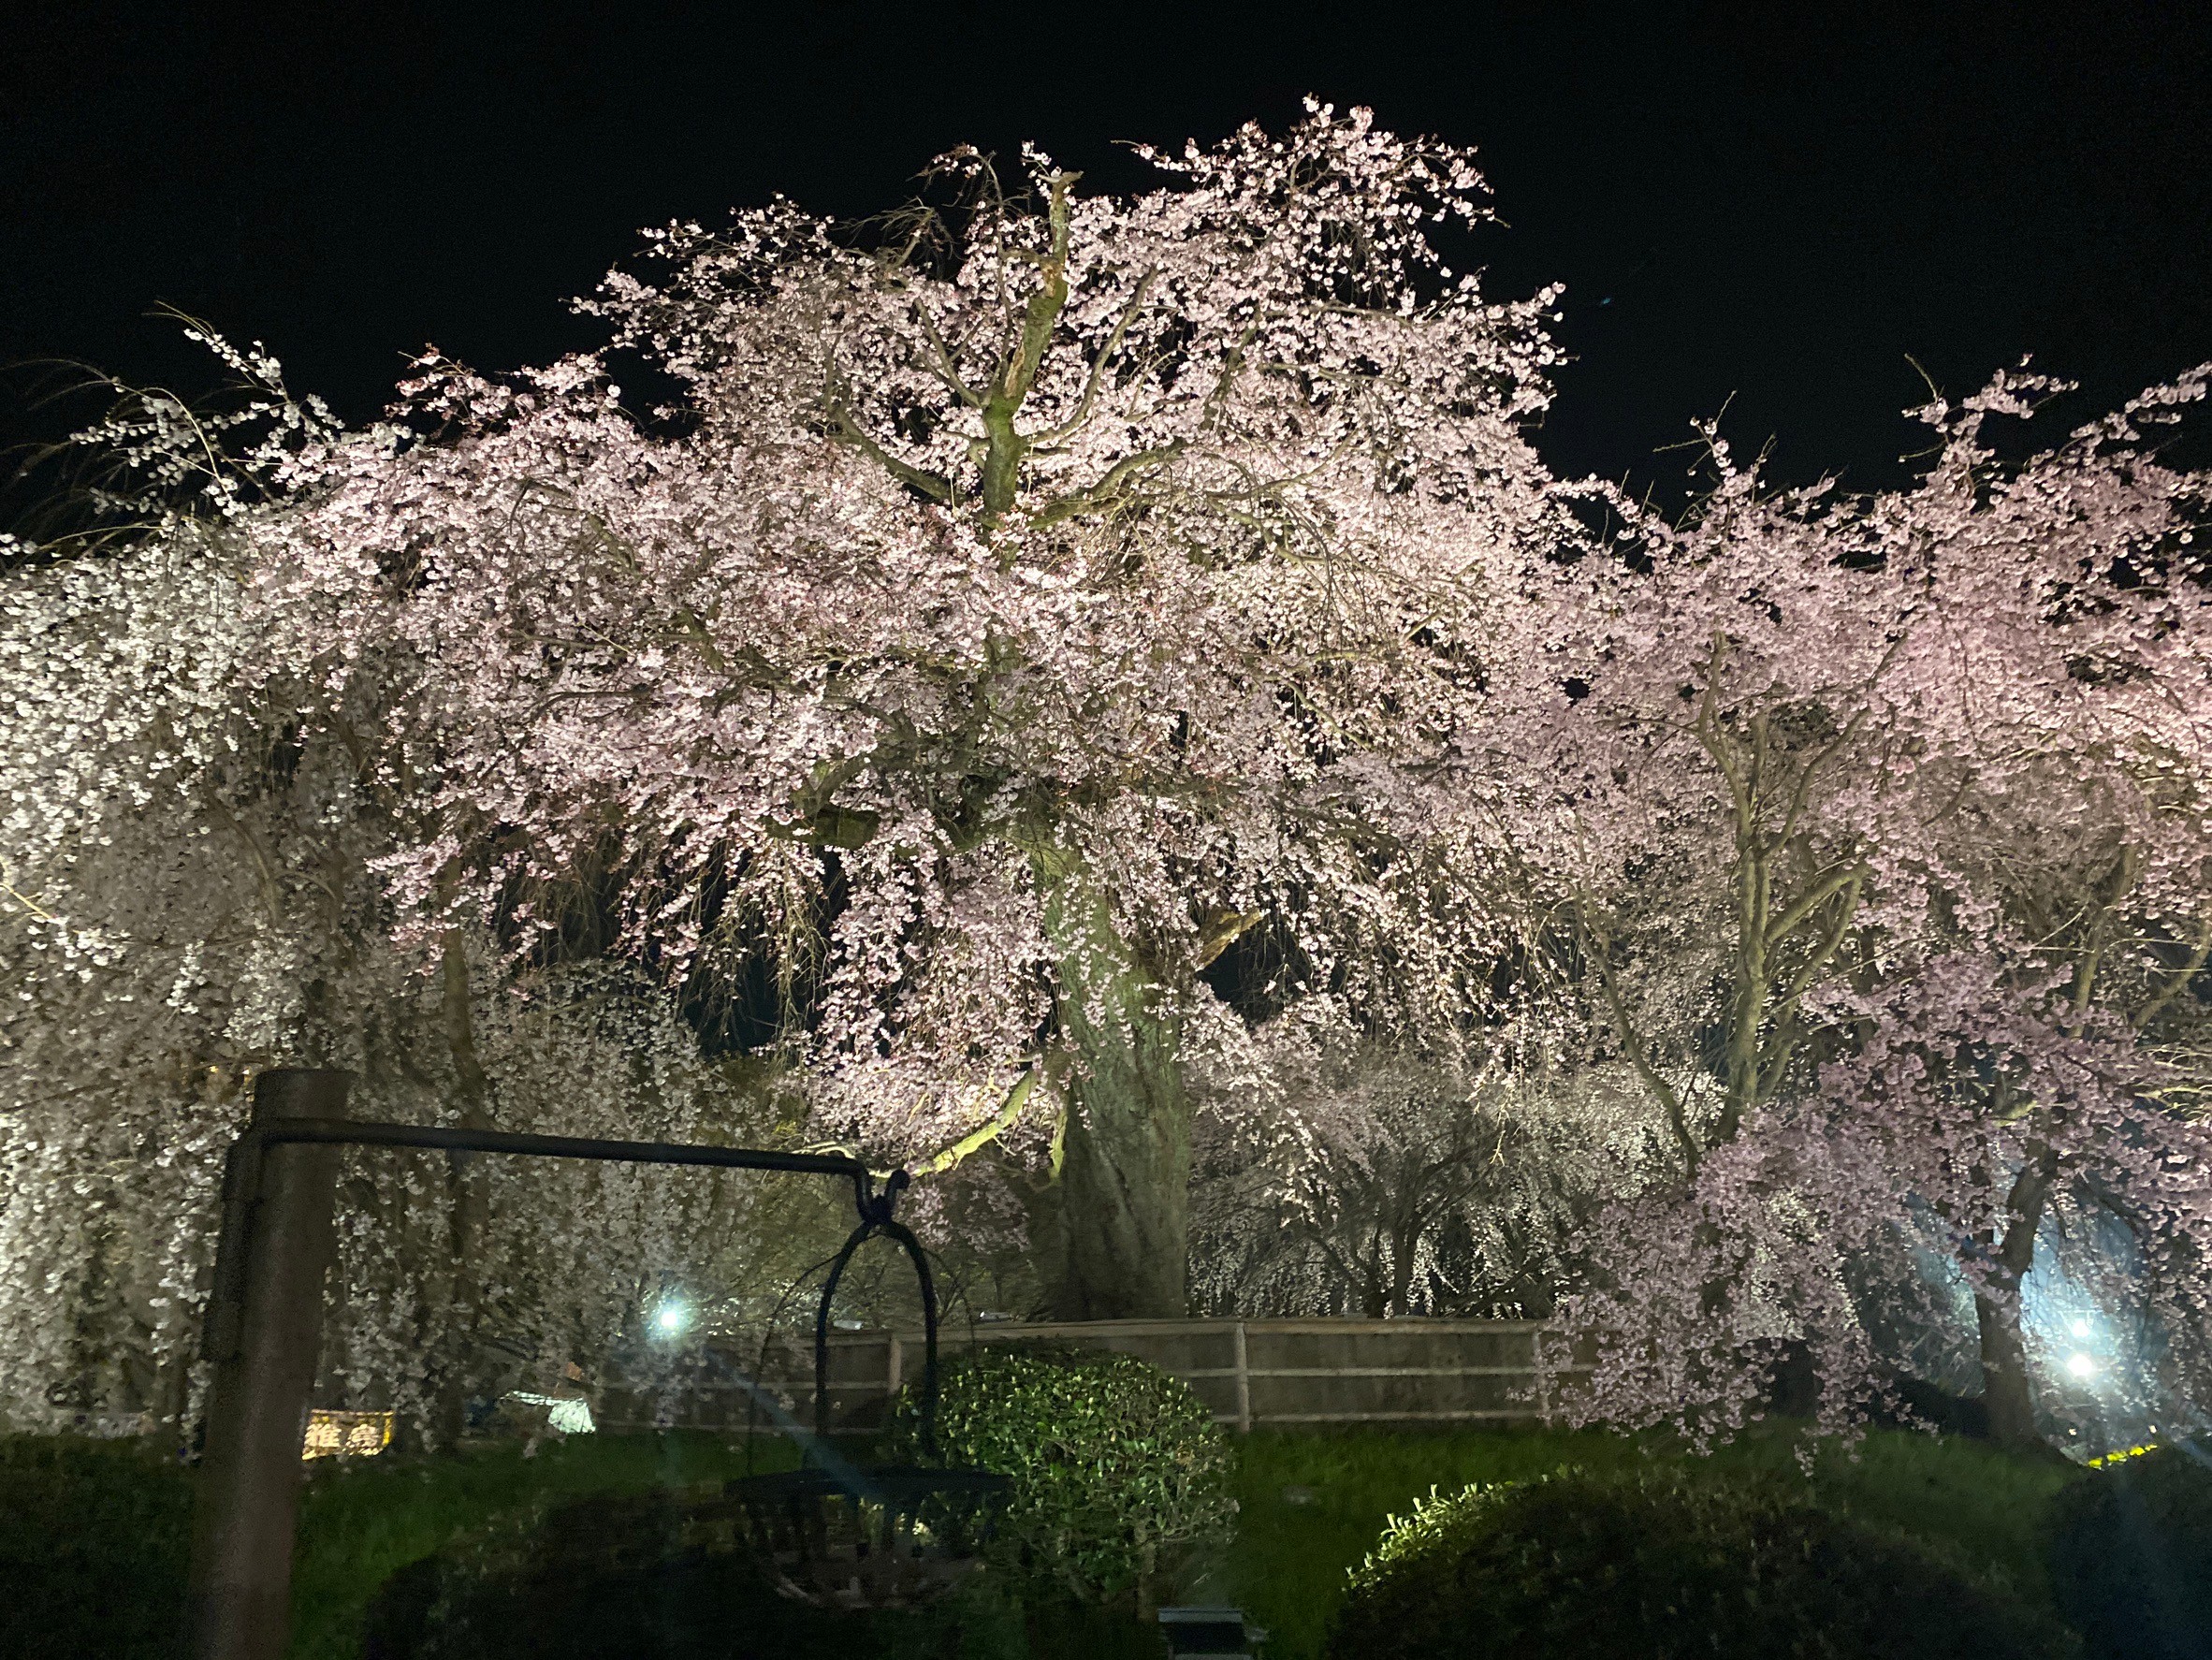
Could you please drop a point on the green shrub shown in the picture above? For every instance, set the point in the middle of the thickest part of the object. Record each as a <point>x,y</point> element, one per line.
<point>1660,1562</point>
<point>1117,1468</point>
<point>95,1538</point>
<point>2132,1557</point>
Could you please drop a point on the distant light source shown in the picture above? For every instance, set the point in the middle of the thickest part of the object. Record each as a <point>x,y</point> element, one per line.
<point>672,1319</point>
<point>2081,1327</point>
<point>2081,1365</point>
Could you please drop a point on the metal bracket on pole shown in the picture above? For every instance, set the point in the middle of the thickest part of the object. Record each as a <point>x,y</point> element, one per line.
<point>263,1331</point>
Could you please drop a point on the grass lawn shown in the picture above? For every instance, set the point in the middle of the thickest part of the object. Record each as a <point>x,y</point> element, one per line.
<point>94,1536</point>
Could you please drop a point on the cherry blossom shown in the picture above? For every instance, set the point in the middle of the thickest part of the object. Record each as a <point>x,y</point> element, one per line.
<point>1115,671</point>
<point>1883,846</point>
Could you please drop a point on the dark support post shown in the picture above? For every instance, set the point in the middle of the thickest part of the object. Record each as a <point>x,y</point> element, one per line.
<point>264,1324</point>
<point>264,1332</point>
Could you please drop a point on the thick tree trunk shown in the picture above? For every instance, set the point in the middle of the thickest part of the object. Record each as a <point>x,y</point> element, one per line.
<point>2006,1392</point>
<point>1127,1182</point>
<point>1403,1246</point>
<point>468,1204</point>
<point>1125,1176</point>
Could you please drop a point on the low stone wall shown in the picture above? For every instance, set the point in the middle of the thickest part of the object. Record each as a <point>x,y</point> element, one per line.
<point>1251,1373</point>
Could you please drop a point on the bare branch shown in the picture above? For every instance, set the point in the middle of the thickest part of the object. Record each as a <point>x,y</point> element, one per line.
<point>1090,388</point>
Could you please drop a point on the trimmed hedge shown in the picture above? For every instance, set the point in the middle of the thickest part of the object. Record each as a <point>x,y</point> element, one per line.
<point>1659,1563</point>
<point>640,1575</point>
<point>2132,1557</point>
<point>1118,1469</point>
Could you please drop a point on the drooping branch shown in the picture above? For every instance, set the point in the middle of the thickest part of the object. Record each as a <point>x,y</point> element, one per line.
<point>846,430</point>
<point>1102,494</point>
<point>2176,980</point>
<point>1084,404</point>
<point>1845,880</point>
<point>1008,1115</point>
<point>1632,1042</point>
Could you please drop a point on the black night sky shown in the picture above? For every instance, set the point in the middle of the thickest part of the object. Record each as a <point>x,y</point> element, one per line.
<point>1776,203</point>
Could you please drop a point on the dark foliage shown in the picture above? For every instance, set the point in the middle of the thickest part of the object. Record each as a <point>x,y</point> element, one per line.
<point>1660,1562</point>
<point>641,1575</point>
<point>94,1544</point>
<point>1793,1391</point>
<point>2132,1557</point>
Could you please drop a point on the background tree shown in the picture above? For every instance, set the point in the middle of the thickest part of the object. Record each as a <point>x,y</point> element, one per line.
<point>1389,1185</point>
<point>1884,848</point>
<point>188,894</point>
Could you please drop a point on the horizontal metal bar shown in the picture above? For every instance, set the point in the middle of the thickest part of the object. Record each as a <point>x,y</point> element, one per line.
<point>1259,1419</point>
<point>1382,1372</point>
<point>242,1182</point>
<point>1286,1326</point>
<point>456,1139</point>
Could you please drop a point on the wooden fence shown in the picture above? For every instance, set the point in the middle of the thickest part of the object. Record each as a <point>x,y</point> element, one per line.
<point>1250,1373</point>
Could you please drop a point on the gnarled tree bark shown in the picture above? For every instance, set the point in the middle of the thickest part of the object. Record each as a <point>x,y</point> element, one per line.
<point>1124,1179</point>
<point>2007,1393</point>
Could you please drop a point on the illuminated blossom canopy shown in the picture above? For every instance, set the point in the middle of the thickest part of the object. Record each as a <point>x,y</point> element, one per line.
<point>1026,597</point>
<point>190,849</point>
<point>1094,660</point>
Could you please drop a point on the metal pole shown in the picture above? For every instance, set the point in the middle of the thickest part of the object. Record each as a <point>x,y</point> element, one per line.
<point>266,1332</point>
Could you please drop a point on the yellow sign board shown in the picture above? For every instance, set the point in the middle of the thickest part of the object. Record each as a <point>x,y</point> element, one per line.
<point>349,1434</point>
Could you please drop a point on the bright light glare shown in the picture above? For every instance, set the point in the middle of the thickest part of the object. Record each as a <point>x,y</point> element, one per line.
<point>2080,1366</point>
<point>2081,1327</point>
<point>671,1320</point>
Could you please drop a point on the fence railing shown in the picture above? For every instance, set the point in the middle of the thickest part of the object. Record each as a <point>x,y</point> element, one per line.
<point>1250,1373</point>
